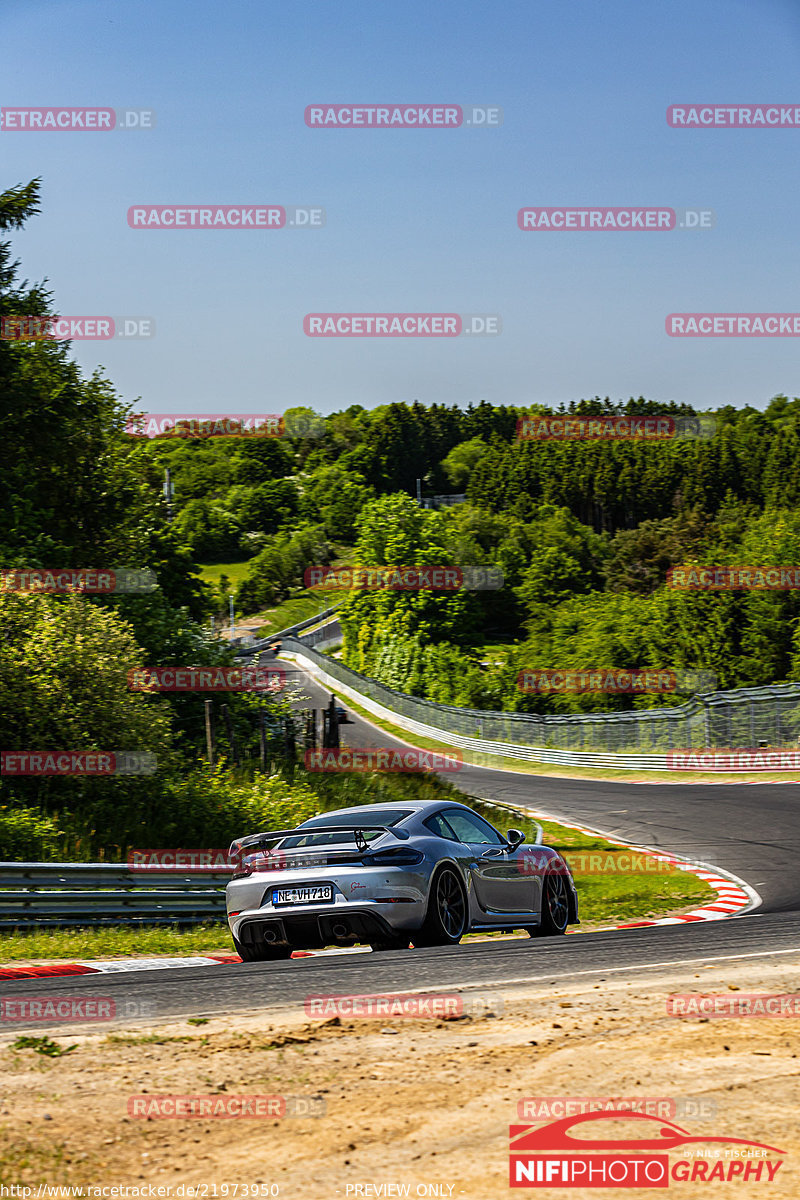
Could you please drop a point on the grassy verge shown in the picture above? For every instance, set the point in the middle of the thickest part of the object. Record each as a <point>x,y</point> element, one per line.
<point>120,942</point>
<point>306,603</point>
<point>236,571</point>
<point>297,608</point>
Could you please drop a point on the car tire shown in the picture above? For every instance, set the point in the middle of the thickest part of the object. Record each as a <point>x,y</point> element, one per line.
<point>446,919</point>
<point>262,953</point>
<point>555,907</point>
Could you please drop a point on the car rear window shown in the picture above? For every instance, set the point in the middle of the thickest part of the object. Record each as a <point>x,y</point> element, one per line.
<point>381,816</point>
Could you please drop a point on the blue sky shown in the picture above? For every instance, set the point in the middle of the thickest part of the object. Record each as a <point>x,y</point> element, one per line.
<point>417,221</point>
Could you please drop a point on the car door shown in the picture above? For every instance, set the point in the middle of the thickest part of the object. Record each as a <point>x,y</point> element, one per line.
<point>501,885</point>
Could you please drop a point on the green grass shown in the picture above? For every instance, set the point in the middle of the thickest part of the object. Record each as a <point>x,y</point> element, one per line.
<point>43,1045</point>
<point>236,571</point>
<point>23,1162</point>
<point>297,608</point>
<point>306,603</point>
<point>108,942</point>
<point>495,652</point>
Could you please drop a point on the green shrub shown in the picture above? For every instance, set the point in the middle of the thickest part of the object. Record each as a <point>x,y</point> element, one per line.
<point>27,835</point>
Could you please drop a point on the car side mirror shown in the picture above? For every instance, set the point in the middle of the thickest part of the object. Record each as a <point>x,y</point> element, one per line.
<point>515,837</point>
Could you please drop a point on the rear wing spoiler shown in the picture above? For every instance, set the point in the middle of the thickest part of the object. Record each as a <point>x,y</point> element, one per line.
<point>258,840</point>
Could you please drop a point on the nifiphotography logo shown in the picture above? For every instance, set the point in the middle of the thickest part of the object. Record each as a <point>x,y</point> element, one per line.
<point>552,1156</point>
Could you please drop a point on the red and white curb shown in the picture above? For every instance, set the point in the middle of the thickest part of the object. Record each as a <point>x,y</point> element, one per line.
<point>121,965</point>
<point>711,782</point>
<point>53,970</point>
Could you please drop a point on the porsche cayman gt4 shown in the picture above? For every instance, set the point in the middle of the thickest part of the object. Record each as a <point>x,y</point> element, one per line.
<point>421,874</point>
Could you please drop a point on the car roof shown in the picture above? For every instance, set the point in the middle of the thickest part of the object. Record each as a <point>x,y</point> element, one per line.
<point>419,808</point>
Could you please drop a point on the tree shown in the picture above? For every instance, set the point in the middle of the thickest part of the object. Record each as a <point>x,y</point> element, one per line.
<point>394,531</point>
<point>460,462</point>
<point>64,666</point>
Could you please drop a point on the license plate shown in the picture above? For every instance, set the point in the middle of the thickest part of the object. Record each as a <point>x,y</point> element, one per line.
<point>316,894</point>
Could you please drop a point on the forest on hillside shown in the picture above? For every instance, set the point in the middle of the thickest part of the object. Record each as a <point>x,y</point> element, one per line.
<point>583,532</point>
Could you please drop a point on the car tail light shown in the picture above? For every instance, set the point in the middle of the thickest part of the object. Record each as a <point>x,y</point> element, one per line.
<point>245,866</point>
<point>402,856</point>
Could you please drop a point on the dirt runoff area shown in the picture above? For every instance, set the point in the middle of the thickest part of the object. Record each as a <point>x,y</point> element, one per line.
<point>415,1105</point>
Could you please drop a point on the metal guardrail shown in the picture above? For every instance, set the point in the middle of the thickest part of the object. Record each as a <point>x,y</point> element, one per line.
<point>64,894</point>
<point>638,739</point>
<point>262,643</point>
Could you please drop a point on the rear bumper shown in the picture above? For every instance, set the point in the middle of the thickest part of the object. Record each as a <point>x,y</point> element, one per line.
<point>368,904</point>
<point>312,931</point>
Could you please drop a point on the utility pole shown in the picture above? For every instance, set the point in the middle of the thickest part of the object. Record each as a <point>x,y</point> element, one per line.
<point>233,626</point>
<point>419,492</point>
<point>211,739</point>
<point>262,739</point>
<point>169,492</point>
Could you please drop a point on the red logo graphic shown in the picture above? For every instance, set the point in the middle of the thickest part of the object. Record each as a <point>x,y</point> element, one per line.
<point>552,1156</point>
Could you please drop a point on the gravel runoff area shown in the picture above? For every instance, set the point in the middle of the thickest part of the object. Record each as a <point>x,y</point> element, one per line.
<point>419,1103</point>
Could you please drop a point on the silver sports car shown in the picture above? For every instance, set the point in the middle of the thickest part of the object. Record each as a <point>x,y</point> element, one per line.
<point>390,876</point>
